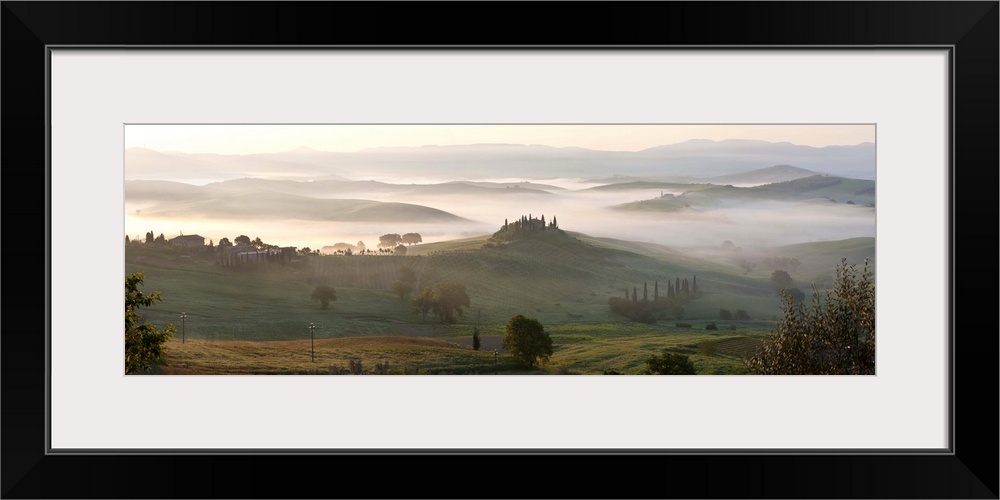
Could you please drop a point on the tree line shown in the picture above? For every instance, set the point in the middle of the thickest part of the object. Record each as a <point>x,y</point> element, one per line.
<point>645,310</point>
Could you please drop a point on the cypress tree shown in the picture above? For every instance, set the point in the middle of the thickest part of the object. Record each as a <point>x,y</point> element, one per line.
<point>694,285</point>
<point>677,285</point>
<point>634,298</point>
<point>670,290</point>
<point>685,286</point>
<point>645,291</point>
<point>656,291</point>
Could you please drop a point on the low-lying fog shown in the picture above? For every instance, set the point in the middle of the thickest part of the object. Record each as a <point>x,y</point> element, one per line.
<point>746,223</point>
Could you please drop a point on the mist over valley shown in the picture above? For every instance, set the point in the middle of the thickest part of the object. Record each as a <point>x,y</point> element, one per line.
<point>614,251</point>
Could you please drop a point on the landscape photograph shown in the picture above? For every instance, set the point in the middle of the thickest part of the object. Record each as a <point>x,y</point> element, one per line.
<point>499,249</point>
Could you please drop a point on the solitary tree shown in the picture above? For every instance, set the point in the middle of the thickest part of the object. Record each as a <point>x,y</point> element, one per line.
<point>242,240</point>
<point>143,342</point>
<point>224,242</point>
<point>526,340</point>
<point>669,364</point>
<point>781,280</point>
<point>402,288</point>
<point>412,238</point>
<point>832,337</point>
<point>447,299</point>
<point>324,294</point>
<point>389,240</point>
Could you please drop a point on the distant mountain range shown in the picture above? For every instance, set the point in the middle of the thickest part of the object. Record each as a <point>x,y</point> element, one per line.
<point>699,159</point>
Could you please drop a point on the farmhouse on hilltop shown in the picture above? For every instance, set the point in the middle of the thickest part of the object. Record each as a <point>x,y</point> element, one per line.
<point>242,255</point>
<point>187,241</point>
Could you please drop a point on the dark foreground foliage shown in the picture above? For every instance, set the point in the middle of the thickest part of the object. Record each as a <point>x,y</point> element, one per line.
<point>835,336</point>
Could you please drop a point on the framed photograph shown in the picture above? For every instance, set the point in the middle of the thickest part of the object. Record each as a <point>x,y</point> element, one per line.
<point>362,204</point>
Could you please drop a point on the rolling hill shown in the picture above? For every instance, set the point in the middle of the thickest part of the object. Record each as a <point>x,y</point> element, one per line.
<point>777,173</point>
<point>254,320</point>
<point>842,190</point>
<point>163,199</point>
<point>813,189</point>
<point>342,188</point>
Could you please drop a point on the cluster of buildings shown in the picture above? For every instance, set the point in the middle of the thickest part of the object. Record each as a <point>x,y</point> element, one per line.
<point>237,255</point>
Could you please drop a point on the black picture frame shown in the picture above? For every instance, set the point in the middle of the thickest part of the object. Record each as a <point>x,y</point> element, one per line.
<point>970,29</point>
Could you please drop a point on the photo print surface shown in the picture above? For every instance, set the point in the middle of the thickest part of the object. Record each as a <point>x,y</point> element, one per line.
<point>605,249</point>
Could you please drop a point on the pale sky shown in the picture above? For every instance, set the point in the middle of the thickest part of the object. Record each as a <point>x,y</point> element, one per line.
<point>252,139</point>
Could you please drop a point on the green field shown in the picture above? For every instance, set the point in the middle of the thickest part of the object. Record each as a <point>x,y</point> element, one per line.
<point>255,320</point>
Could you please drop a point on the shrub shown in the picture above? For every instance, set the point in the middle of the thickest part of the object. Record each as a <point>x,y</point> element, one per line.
<point>669,364</point>
<point>324,295</point>
<point>711,326</point>
<point>144,343</point>
<point>678,312</point>
<point>725,314</point>
<point>355,367</point>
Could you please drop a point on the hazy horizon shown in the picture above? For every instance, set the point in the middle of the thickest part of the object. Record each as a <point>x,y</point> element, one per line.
<point>303,197</point>
<point>272,139</point>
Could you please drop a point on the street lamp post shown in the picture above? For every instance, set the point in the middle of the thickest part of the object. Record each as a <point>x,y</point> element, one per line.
<point>312,342</point>
<point>183,317</point>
